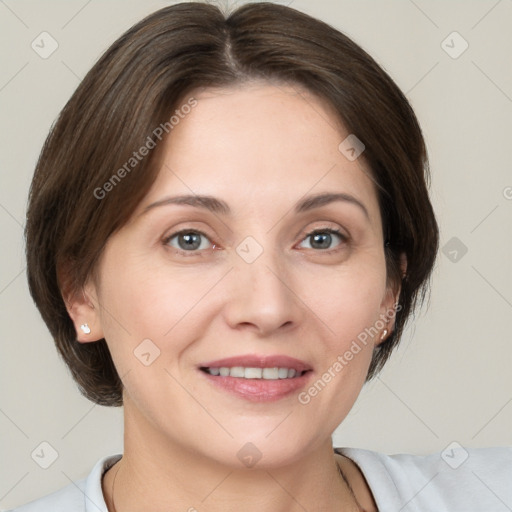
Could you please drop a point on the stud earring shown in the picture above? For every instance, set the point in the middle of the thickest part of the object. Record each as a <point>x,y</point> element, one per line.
<point>384,334</point>
<point>85,329</point>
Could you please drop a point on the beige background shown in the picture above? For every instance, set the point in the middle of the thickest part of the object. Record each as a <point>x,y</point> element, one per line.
<point>451,379</point>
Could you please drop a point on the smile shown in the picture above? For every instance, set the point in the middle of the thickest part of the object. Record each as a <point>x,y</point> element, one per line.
<point>258,378</point>
<point>241,372</point>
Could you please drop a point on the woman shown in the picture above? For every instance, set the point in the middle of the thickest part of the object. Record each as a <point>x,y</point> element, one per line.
<point>228,228</point>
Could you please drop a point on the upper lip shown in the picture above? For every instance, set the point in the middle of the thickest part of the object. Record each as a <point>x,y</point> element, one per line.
<point>259,361</point>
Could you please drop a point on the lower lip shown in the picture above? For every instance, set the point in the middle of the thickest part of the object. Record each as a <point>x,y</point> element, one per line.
<point>259,390</point>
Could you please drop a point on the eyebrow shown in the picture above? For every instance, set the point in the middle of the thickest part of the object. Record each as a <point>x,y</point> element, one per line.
<point>219,206</point>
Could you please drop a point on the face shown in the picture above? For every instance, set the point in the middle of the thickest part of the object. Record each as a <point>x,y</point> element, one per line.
<point>262,283</point>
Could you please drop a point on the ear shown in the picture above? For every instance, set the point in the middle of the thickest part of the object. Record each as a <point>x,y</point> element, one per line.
<point>390,302</point>
<point>82,306</point>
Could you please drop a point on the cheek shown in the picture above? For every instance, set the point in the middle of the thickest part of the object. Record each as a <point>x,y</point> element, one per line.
<point>349,312</point>
<point>138,295</point>
<point>348,304</point>
<point>141,300</point>
<point>349,300</point>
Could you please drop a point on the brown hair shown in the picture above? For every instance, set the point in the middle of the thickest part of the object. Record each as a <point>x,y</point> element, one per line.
<point>135,86</point>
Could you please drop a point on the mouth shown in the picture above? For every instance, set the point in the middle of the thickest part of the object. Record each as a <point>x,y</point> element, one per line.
<point>266,373</point>
<point>258,378</point>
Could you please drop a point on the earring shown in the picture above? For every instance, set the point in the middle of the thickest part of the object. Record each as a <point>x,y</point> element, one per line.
<point>384,334</point>
<point>85,328</point>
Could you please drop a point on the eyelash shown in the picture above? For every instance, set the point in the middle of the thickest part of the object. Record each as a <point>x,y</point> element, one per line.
<point>344,238</point>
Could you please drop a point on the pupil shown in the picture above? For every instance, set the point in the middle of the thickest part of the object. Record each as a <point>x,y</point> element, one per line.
<point>325,238</point>
<point>191,241</point>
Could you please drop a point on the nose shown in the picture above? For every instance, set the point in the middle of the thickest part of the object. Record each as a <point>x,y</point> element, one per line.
<point>262,296</point>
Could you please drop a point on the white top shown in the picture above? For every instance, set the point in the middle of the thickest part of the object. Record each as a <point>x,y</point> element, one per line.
<point>455,480</point>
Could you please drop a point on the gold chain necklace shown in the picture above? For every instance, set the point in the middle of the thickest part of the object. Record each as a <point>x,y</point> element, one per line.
<point>359,508</point>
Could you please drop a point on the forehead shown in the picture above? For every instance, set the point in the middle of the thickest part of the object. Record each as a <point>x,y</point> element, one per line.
<point>260,141</point>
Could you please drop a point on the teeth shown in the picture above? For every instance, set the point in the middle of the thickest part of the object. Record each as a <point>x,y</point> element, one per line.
<point>282,373</point>
<point>271,373</point>
<point>237,371</point>
<point>250,373</point>
<point>255,373</point>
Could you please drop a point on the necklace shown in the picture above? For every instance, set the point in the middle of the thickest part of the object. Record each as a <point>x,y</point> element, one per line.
<point>359,508</point>
<point>112,492</point>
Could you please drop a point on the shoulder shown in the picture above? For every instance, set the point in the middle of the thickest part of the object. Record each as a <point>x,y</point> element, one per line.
<point>458,478</point>
<point>70,498</point>
<point>84,495</point>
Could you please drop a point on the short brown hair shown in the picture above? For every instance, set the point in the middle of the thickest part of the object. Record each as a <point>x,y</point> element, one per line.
<point>135,86</point>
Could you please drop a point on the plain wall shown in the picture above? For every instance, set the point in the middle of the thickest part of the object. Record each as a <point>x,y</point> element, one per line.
<point>450,380</point>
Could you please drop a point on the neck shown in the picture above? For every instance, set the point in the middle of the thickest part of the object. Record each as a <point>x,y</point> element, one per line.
<point>158,474</point>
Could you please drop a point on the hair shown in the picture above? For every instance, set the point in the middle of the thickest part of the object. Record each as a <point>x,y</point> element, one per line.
<point>132,89</point>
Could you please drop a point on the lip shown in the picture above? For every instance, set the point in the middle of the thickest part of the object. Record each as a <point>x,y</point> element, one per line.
<point>259,390</point>
<point>259,361</point>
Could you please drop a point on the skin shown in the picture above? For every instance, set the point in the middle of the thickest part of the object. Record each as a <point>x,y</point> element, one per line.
<point>260,148</point>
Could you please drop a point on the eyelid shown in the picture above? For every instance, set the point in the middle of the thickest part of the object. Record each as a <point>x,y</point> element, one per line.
<point>326,226</point>
<point>166,238</point>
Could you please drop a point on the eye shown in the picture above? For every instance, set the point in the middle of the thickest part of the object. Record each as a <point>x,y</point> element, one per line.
<point>322,238</point>
<point>188,241</point>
